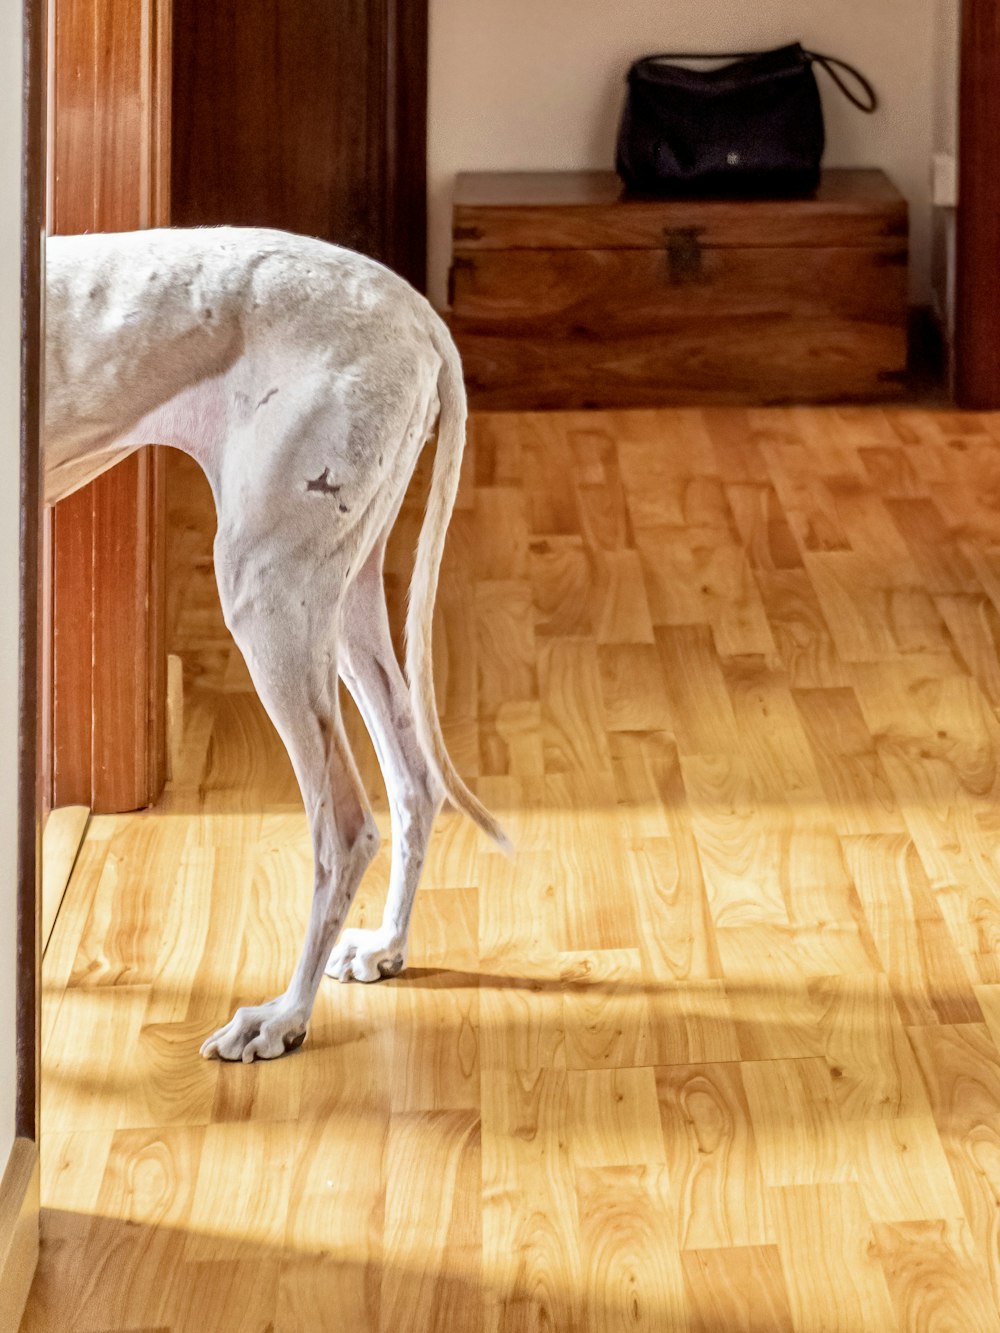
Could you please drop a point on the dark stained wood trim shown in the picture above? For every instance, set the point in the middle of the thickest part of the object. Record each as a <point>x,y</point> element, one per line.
<point>271,131</point>
<point>29,804</point>
<point>977,315</point>
<point>156,625</point>
<point>406,139</point>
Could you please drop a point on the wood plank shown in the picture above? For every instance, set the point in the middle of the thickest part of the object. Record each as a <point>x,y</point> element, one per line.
<point>602,293</point>
<point>962,1070</point>
<point>336,1222</point>
<point>699,361</point>
<point>929,982</point>
<point>19,1202</point>
<point>800,1137</point>
<point>433,1223</point>
<point>874,1071</point>
<point>72,1173</point>
<point>633,688</point>
<point>502,210</point>
<point>825,1239</point>
<point>136,1232</point>
<point>606,1023</point>
<point>61,839</point>
<point>935,1278</point>
<point>531,1251</point>
<point>738,847</point>
<point>712,1158</point>
<point>614,1118</point>
<point>635,1280</point>
<point>737,1287</point>
<point>857,789</point>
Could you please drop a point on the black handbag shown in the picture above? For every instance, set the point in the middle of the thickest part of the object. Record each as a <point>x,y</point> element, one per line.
<point>750,128</point>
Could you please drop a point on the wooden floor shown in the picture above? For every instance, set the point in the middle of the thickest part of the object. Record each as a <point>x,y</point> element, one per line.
<point>717,1051</point>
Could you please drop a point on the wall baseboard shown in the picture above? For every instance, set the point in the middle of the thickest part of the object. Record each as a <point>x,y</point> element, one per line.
<point>18,1232</point>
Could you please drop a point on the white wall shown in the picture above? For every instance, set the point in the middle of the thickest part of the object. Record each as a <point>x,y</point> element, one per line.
<point>537,84</point>
<point>947,27</point>
<point>10,281</point>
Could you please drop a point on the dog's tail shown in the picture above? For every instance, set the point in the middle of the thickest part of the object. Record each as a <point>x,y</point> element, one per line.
<point>423,586</point>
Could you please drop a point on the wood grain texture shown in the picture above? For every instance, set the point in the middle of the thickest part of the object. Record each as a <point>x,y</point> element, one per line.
<point>962,1070</point>
<point>633,1279</point>
<point>737,1287</point>
<point>110,145</point>
<point>525,210</point>
<point>754,360</point>
<point>569,293</point>
<point>824,1235</point>
<point>977,364</point>
<point>260,142</point>
<point>716,1051</point>
<point>605,292</point>
<point>19,1203</point>
<point>935,1279</point>
<point>61,839</point>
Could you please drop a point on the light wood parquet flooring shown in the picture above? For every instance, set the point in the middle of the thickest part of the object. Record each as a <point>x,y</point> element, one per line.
<point>717,1051</point>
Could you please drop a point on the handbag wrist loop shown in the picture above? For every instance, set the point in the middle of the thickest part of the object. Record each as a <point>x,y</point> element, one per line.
<point>831,64</point>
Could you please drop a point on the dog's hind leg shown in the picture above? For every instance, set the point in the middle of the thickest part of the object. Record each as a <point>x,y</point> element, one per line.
<point>371,672</point>
<point>290,644</point>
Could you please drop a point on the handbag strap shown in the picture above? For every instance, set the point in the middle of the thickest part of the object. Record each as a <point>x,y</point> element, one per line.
<point>830,63</point>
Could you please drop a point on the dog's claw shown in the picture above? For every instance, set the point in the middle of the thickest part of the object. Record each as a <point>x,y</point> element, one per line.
<point>260,1032</point>
<point>366,955</point>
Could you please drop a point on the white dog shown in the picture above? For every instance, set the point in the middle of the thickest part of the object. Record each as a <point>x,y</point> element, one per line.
<point>305,380</point>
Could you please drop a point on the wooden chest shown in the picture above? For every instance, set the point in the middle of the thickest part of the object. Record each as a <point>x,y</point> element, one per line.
<point>567,293</point>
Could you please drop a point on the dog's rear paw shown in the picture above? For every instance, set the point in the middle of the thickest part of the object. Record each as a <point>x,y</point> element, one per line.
<point>260,1032</point>
<point>366,955</point>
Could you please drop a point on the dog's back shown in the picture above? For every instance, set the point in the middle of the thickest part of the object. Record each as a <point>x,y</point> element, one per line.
<point>135,318</point>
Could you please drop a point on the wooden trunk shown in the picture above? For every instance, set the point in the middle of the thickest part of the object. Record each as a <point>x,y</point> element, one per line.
<point>568,293</point>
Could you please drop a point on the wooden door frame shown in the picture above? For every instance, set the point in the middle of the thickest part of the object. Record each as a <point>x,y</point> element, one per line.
<point>407,60</point>
<point>29,695</point>
<point>106,662</point>
<point>977,296</point>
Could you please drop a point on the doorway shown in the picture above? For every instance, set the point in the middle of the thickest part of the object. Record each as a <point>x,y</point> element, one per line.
<point>309,117</point>
<point>494,453</point>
